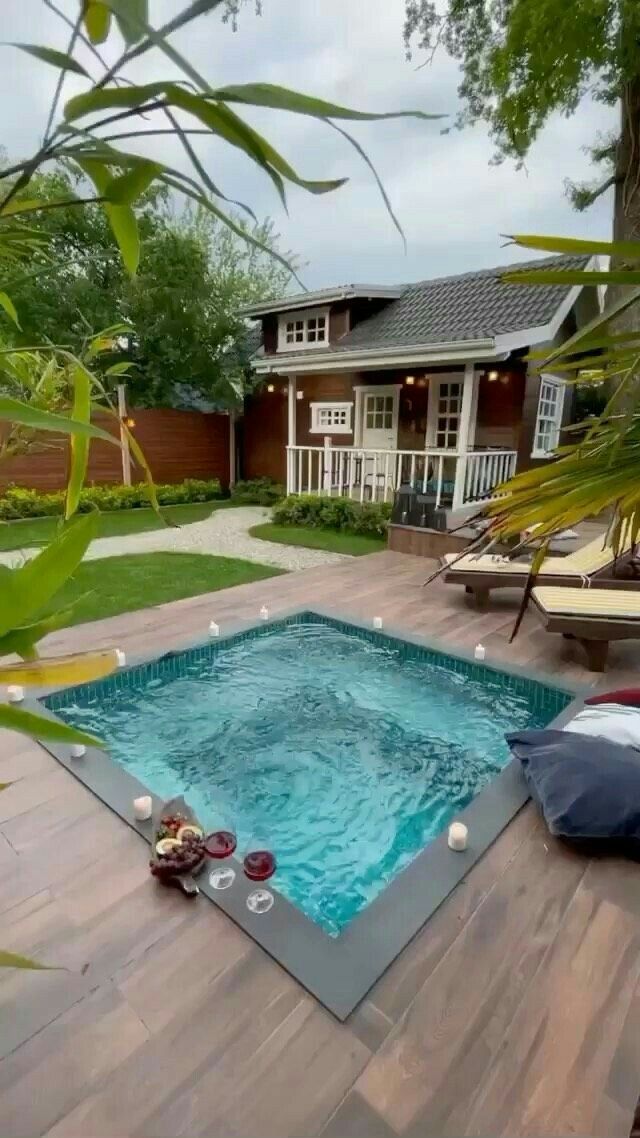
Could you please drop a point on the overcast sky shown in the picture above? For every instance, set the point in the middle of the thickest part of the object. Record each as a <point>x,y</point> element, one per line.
<point>452,203</point>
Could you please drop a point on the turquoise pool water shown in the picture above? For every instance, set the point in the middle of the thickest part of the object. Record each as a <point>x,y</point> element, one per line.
<point>342,751</point>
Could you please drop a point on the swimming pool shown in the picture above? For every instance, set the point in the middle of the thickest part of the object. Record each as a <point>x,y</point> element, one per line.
<point>344,751</point>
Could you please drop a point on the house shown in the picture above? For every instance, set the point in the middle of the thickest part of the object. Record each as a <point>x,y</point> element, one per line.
<point>367,388</point>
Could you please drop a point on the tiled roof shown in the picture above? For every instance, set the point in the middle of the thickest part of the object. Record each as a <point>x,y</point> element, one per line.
<point>471,306</point>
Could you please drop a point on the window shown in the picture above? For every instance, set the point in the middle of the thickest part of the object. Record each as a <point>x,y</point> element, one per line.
<point>549,419</point>
<point>304,330</point>
<point>331,418</point>
<point>449,405</point>
<point>378,412</point>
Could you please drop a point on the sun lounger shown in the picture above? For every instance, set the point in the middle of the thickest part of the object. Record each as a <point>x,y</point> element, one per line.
<point>593,617</point>
<point>592,564</point>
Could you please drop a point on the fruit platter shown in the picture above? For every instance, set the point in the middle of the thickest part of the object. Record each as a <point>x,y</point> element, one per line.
<point>177,847</point>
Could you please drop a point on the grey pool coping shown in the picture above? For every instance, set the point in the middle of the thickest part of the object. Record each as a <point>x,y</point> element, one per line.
<point>338,971</point>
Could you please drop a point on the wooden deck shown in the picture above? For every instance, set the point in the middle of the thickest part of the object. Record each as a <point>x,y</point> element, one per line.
<point>515,1011</point>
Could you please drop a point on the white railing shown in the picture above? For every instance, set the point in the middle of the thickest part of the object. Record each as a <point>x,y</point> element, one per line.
<point>484,470</point>
<point>375,475</point>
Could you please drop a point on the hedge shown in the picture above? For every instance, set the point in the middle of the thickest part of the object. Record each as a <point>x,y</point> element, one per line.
<point>257,492</point>
<point>342,514</point>
<point>16,502</point>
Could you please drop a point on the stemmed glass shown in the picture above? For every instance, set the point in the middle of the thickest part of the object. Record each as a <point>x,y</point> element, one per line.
<point>259,864</point>
<point>220,845</point>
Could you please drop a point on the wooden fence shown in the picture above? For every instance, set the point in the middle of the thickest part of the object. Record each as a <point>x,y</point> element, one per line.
<point>176,444</point>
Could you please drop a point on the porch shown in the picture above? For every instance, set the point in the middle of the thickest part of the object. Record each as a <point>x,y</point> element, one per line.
<point>450,436</point>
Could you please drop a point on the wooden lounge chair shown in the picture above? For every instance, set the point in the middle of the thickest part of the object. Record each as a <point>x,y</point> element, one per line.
<point>592,564</point>
<point>593,617</point>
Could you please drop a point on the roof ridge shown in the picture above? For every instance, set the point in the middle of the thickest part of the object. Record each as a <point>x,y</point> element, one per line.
<point>475,274</point>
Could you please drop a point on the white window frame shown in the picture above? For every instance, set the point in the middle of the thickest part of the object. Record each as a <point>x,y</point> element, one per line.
<point>549,412</point>
<point>340,409</point>
<point>438,385</point>
<point>304,317</point>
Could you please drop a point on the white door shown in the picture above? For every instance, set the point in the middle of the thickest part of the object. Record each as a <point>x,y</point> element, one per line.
<point>379,418</point>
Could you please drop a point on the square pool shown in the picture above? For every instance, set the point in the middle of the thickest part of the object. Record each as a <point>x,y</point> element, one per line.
<point>345,751</point>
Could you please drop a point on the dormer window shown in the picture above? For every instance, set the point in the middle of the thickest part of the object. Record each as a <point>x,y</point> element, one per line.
<point>305,329</point>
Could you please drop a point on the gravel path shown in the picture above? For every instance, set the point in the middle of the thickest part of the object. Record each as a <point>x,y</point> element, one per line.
<point>225,533</point>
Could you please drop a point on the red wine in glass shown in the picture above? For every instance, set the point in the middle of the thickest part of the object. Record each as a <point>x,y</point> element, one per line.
<point>259,865</point>
<point>219,845</point>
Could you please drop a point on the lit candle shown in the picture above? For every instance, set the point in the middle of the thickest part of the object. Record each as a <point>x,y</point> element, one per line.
<point>377,622</point>
<point>121,658</point>
<point>142,808</point>
<point>264,613</point>
<point>214,629</point>
<point>479,652</point>
<point>78,750</point>
<point>15,693</point>
<point>458,835</point>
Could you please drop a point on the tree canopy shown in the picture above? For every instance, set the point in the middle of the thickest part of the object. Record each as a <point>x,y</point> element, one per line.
<point>183,304</point>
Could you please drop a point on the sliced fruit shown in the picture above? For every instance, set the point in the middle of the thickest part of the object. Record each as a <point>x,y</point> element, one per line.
<point>166,846</point>
<point>190,828</point>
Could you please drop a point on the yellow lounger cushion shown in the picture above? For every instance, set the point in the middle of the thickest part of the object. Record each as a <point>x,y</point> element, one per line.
<point>589,559</point>
<point>614,603</point>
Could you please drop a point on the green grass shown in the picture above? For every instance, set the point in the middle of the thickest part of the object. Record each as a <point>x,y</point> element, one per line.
<point>38,531</point>
<point>111,585</point>
<point>355,544</point>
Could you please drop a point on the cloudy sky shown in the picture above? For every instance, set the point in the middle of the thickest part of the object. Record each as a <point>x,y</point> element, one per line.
<point>452,203</point>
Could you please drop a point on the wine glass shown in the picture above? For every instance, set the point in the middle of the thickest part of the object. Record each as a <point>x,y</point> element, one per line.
<point>219,845</point>
<point>259,864</point>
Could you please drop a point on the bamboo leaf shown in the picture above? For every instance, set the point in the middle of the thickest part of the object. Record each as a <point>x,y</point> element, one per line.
<point>594,325</point>
<point>58,59</point>
<point>97,21</point>
<point>124,189</point>
<point>39,727</point>
<point>13,960</point>
<point>9,307</point>
<point>14,411</point>
<point>138,454</point>
<point>111,98</point>
<point>119,369</point>
<point>629,249</point>
<point>283,99</point>
<point>81,412</point>
<point>22,641</point>
<point>121,217</point>
<point>25,591</point>
<point>76,669</point>
<point>573,277</point>
<point>131,16</point>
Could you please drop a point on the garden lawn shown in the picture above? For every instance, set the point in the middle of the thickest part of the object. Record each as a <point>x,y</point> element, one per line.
<point>354,544</point>
<point>111,585</point>
<point>38,531</point>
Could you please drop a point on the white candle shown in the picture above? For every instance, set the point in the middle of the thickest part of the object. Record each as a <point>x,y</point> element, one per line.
<point>377,622</point>
<point>458,835</point>
<point>479,652</point>
<point>121,658</point>
<point>78,750</point>
<point>15,693</point>
<point>142,808</point>
<point>214,629</point>
<point>264,613</point>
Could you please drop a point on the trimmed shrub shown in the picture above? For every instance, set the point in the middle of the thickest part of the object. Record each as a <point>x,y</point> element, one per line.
<point>257,492</point>
<point>371,518</point>
<point>17,502</point>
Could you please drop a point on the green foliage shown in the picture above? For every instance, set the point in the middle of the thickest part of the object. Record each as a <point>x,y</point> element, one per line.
<point>257,492</point>
<point>17,502</point>
<point>341,514</point>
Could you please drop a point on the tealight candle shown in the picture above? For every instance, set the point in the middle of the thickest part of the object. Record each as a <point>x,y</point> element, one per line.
<point>264,613</point>
<point>142,808</point>
<point>15,693</point>
<point>78,750</point>
<point>377,622</point>
<point>479,652</point>
<point>458,835</point>
<point>121,658</point>
<point>214,629</point>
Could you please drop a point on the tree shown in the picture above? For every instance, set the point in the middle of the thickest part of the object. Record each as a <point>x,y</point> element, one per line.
<point>523,60</point>
<point>183,303</point>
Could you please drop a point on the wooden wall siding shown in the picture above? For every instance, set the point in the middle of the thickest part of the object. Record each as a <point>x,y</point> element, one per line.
<point>265,434</point>
<point>270,333</point>
<point>500,407</point>
<point>177,445</point>
<point>322,389</point>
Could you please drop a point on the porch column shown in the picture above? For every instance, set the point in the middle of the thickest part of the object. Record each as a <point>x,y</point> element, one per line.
<point>291,435</point>
<point>466,431</point>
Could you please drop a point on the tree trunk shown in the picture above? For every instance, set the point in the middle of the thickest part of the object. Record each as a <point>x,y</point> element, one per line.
<point>626,209</point>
